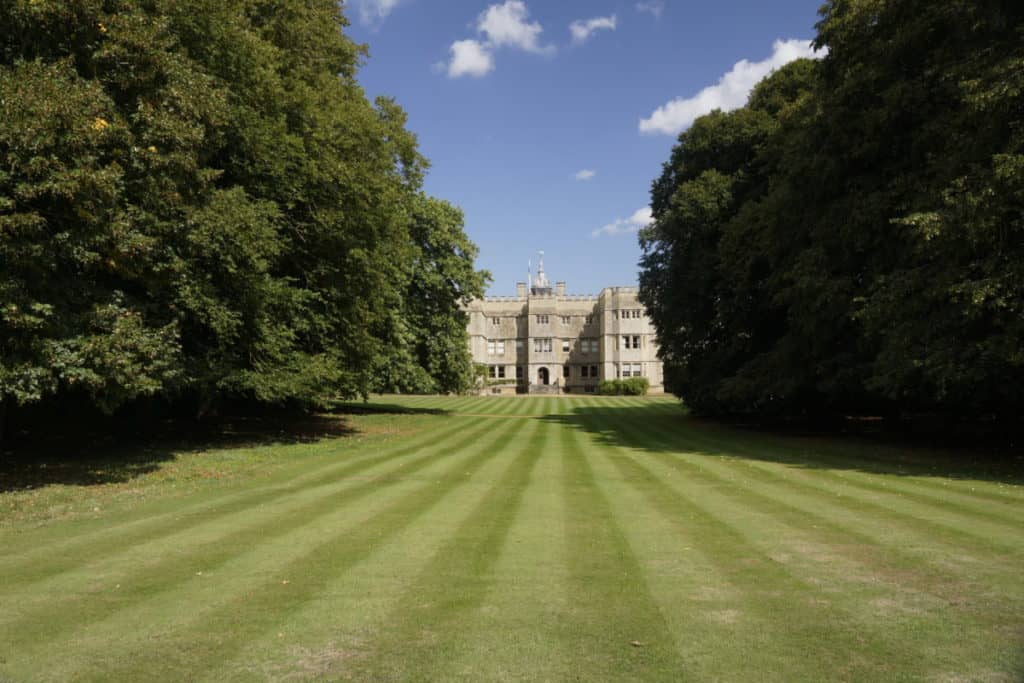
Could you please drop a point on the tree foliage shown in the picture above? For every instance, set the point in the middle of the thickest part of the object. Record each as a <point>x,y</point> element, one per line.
<point>197,200</point>
<point>853,240</point>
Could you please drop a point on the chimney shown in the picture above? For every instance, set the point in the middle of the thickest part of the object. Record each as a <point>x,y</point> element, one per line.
<point>521,290</point>
<point>560,288</point>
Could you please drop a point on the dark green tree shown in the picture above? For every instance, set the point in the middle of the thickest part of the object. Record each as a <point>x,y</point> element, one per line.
<point>867,257</point>
<point>198,201</point>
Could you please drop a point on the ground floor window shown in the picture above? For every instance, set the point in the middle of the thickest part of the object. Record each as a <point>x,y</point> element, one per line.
<point>519,372</point>
<point>565,371</point>
<point>496,372</point>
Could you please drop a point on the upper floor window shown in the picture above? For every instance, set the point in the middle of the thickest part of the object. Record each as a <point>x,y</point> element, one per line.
<point>565,346</point>
<point>496,347</point>
<point>542,345</point>
<point>590,319</point>
<point>542,320</point>
<point>588,346</point>
<point>495,321</point>
<point>566,320</point>
<point>630,342</point>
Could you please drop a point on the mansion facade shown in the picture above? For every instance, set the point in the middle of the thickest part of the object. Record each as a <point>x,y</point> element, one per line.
<point>546,341</point>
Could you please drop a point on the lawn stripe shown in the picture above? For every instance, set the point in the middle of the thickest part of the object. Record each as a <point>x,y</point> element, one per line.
<point>52,560</point>
<point>143,524</point>
<point>358,607</point>
<point>611,606</point>
<point>887,505</point>
<point>839,493</point>
<point>514,633</point>
<point>932,469</point>
<point>861,469</point>
<point>769,586</point>
<point>224,621</point>
<point>883,556</point>
<point>141,575</point>
<point>418,640</point>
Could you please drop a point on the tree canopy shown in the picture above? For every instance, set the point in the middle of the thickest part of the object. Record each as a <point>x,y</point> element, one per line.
<point>852,240</point>
<point>198,201</point>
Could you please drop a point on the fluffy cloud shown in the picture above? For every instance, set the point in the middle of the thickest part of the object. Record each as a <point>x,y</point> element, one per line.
<point>585,174</point>
<point>655,7</point>
<point>469,58</point>
<point>641,218</point>
<point>504,25</point>
<point>731,91</point>
<point>581,30</point>
<point>373,11</point>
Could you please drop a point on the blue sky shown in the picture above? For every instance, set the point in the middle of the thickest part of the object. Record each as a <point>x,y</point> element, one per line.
<point>510,105</point>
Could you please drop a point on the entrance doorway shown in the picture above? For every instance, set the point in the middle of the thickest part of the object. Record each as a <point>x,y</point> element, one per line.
<point>543,377</point>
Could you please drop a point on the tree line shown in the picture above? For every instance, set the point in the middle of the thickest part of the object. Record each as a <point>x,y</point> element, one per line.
<point>852,240</point>
<point>199,203</point>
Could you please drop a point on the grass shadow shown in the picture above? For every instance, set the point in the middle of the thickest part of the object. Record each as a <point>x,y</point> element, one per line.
<point>672,430</point>
<point>377,408</point>
<point>116,451</point>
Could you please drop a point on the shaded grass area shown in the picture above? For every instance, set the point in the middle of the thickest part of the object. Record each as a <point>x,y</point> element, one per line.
<point>471,538</point>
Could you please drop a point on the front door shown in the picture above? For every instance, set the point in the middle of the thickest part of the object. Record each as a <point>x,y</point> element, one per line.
<point>543,377</point>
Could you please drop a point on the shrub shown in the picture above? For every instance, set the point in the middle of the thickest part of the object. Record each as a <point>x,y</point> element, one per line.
<point>632,386</point>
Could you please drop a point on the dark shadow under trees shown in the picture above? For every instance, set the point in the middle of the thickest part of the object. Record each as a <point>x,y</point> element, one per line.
<point>860,448</point>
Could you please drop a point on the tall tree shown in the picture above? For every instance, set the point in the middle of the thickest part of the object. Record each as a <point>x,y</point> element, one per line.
<point>197,199</point>
<point>873,262</point>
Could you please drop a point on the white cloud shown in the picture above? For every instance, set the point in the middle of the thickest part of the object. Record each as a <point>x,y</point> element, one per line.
<point>503,25</point>
<point>641,218</point>
<point>731,91</point>
<point>581,30</point>
<point>655,7</point>
<point>585,174</point>
<point>373,11</point>
<point>506,24</point>
<point>469,58</point>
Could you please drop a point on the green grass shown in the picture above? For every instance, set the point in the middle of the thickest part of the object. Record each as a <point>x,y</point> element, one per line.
<point>515,539</point>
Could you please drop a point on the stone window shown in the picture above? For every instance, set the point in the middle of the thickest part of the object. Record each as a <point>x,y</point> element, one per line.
<point>542,320</point>
<point>542,345</point>
<point>593,371</point>
<point>495,321</point>
<point>565,371</point>
<point>496,372</point>
<point>519,372</point>
<point>496,347</point>
<point>566,320</point>
<point>565,345</point>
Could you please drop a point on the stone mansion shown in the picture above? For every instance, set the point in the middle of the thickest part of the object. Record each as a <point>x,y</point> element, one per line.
<point>546,341</point>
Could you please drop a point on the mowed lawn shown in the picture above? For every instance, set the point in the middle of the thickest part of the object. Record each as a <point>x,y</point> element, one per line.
<point>486,539</point>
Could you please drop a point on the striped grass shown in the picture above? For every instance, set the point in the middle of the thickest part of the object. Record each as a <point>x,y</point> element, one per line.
<point>548,538</point>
